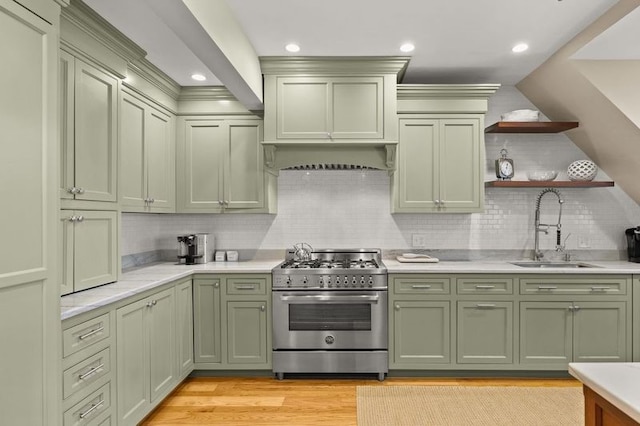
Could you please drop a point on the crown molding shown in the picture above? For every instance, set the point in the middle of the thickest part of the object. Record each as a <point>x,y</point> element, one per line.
<point>296,65</point>
<point>422,91</point>
<point>205,93</point>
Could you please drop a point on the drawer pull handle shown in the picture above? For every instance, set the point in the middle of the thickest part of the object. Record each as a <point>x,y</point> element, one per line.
<point>92,409</point>
<point>423,286</point>
<point>485,287</point>
<point>600,288</point>
<point>91,333</point>
<point>485,305</point>
<point>90,372</point>
<point>547,287</point>
<point>246,287</point>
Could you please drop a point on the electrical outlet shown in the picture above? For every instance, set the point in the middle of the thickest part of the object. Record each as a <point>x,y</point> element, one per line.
<point>583,241</point>
<point>419,240</point>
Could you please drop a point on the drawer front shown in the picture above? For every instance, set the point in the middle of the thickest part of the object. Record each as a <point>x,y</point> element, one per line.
<point>574,286</point>
<point>84,335</point>
<point>485,285</point>
<point>90,408</point>
<point>86,372</point>
<point>246,286</point>
<point>421,285</point>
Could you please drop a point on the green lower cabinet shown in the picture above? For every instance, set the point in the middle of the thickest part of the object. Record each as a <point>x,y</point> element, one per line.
<point>207,321</point>
<point>485,332</point>
<point>146,354</point>
<point>184,328</point>
<point>232,322</point>
<point>247,331</point>
<point>419,334</point>
<point>553,334</point>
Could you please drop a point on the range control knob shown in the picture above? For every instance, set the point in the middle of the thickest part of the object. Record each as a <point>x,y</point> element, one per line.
<point>320,282</point>
<point>304,280</point>
<point>329,283</point>
<point>370,281</point>
<point>288,283</point>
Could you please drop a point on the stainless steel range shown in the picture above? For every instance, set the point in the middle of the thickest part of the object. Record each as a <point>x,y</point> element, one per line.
<point>330,312</point>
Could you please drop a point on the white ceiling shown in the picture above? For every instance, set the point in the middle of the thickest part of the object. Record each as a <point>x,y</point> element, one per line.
<point>457,41</point>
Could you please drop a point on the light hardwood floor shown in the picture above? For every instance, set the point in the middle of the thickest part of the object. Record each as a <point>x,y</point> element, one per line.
<point>266,401</point>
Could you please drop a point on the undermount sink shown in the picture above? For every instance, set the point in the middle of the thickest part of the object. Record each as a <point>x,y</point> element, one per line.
<point>553,265</point>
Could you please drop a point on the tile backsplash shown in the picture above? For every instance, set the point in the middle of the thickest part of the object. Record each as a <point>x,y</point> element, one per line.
<point>344,209</point>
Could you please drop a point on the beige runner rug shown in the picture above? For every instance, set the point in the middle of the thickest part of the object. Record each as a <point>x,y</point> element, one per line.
<point>469,406</point>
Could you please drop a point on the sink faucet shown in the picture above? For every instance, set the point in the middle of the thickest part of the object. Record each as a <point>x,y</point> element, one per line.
<point>543,227</point>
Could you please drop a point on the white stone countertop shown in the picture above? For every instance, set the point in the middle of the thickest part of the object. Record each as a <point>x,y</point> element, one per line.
<point>505,267</point>
<point>617,382</point>
<point>146,278</point>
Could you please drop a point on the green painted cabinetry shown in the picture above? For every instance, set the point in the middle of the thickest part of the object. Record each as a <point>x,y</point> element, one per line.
<point>146,354</point>
<point>147,157</point>
<point>419,321</point>
<point>220,167</point>
<point>574,318</point>
<point>508,322</point>
<point>184,327</point>
<point>232,322</point>
<point>88,249</point>
<point>439,164</point>
<point>485,332</point>
<point>29,319</point>
<point>88,132</point>
<point>317,100</point>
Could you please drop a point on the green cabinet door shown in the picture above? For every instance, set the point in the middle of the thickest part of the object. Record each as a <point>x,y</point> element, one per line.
<point>439,164</point>
<point>147,154</point>
<point>460,163</point>
<point>207,321</point>
<point>330,108</point>
<point>66,90</point>
<point>485,332</point>
<point>546,330</point>
<point>160,161</point>
<point>221,166</point>
<point>95,133</point>
<point>419,334</point>
<point>161,325</point>
<point>132,370</point>
<point>29,296</point>
<point>184,328</point>
<point>417,178</point>
<point>200,161</point>
<point>95,248</point>
<point>600,332</point>
<point>247,332</point>
<point>244,167</point>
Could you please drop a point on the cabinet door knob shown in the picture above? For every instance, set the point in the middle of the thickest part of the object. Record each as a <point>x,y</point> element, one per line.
<point>149,304</point>
<point>80,190</point>
<point>154,302</point>
<point>152,200</point>
<point>80,218</point>
<point>216,285</point>
<point>220,202</point>
<point>262,308</point>
<point>397,307</point>
<point>72,190</point>
<point>72,219</point>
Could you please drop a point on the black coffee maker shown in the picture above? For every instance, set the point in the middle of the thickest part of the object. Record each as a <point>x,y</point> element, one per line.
<point>633,244</point>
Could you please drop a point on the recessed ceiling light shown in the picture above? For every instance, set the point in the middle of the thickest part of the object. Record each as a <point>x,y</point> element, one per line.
<point>521,47</point>
<point>198,77</point>
<point>407,47</point>
<point>292,47</point>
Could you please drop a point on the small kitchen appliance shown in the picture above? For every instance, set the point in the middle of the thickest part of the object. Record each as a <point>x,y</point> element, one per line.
<point>633,244</point>
<point>330,312</point>
<point>194,248</point>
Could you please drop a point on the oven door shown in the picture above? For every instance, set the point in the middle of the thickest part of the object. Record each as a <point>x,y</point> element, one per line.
<point>329,320</point>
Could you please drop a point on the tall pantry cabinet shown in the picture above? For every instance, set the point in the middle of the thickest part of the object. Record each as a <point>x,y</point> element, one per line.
<point>29,303</point>
<point>88,113</point>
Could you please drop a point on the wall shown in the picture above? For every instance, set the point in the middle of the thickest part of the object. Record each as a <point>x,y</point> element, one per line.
<point>351,209</point>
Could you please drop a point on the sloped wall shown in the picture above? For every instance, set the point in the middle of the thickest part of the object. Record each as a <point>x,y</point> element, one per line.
<point>571,89</point>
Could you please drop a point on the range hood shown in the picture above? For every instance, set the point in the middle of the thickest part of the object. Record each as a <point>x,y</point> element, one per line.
<point>330,156</point>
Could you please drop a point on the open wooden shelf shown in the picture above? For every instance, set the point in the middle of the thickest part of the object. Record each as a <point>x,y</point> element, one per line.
<point>547,184</point>
<point>531,126</point>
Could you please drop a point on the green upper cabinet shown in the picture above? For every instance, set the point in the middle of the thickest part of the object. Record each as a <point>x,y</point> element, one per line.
<point>220,167</point>
<point>316,100</point>
<point>147,157</point>
<point>330,108</point>
<point>88,131</point>
<point>440,154</point>
<point>439,165</point>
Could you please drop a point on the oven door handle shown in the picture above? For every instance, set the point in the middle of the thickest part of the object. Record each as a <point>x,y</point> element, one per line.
<point>355,299</point>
